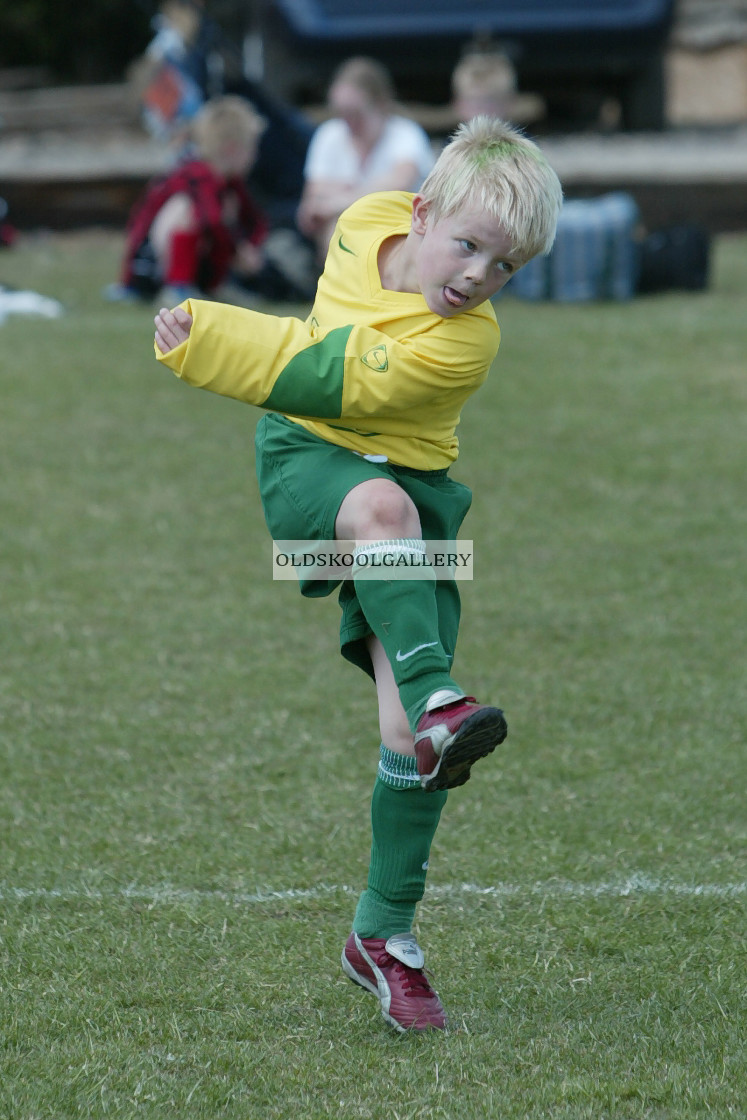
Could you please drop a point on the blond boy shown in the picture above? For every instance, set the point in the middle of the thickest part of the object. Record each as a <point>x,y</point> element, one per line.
<point>363,402</point>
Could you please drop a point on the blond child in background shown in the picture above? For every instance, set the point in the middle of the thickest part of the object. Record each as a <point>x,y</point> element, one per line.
<point>484,83</point>
<point>196,225</point>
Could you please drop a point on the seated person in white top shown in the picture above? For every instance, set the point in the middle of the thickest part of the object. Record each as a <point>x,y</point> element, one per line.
<point>365,147</point>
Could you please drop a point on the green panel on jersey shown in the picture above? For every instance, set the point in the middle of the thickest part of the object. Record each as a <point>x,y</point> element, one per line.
<point>311,383</point>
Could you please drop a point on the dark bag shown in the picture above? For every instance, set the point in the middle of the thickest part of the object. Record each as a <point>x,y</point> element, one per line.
<point>676,258</point>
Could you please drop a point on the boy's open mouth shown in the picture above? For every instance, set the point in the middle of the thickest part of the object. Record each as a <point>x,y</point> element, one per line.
<point>455,298</point>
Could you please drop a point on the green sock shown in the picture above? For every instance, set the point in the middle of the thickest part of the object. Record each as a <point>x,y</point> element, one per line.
<point>403,823</point>
<point>402,613</point>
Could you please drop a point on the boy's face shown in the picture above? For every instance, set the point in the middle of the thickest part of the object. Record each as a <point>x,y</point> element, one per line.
<point>236,157</point>
<point>462,260</point>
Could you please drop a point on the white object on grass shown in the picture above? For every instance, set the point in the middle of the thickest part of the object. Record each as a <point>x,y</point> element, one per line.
<point>14,302</point>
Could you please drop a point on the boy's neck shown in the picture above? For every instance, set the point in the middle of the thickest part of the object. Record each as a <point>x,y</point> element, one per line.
<point>396,263</point>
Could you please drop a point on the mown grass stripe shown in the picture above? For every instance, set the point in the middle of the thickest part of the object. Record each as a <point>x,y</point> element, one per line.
<point>556,889</point>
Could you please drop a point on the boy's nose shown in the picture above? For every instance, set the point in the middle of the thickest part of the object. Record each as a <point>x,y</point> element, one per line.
<point>475,271</point>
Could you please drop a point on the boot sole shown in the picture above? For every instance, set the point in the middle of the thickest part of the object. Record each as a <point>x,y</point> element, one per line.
<point>477,737</point>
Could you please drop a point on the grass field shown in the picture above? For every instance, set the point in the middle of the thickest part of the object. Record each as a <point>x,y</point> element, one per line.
<point>187,762</point>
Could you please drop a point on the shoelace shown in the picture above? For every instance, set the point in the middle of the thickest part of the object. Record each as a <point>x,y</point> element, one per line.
<point>415,983</point>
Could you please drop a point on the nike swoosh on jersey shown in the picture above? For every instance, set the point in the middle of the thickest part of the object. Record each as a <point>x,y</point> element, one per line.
<point>410,653</point>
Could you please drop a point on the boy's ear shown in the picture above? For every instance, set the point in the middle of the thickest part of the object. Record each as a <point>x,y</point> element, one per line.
<point>420,211</point>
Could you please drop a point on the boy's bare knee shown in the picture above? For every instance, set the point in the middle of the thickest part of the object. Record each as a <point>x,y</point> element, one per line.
<point>390,513</point>
<point>377,510</point>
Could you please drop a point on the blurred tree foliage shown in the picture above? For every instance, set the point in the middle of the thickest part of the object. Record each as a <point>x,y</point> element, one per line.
<point>88,41</point>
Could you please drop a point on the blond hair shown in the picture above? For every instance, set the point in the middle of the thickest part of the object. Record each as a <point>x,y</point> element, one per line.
<point>487,73</point>
<point>225,120</point>
<point>491,164</point>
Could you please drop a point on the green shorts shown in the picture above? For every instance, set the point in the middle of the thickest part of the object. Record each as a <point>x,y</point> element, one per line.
<point>302,482</point>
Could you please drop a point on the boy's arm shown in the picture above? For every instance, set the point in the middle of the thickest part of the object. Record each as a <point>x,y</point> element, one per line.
<point>231,350</point>
<point>353,372</point>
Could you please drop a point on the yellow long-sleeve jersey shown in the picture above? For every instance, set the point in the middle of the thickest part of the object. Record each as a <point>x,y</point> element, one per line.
<point>370,369</point>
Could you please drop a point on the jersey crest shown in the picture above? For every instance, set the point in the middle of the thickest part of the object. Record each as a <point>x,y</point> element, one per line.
<point>376,358</point>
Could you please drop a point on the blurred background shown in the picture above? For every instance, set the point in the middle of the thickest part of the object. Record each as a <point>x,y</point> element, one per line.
<point>648,96</point>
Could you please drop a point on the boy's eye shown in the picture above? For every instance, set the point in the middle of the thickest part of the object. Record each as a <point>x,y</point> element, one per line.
<point>467,245</point>
<point>505,266</point>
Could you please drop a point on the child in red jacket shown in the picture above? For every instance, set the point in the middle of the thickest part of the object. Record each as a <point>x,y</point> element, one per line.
<point>197,225</point>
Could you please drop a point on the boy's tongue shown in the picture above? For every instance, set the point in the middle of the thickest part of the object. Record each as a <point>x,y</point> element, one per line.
<point>455,298</point>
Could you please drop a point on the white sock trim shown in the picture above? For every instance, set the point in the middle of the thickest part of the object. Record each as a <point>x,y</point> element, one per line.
<point>405,546</point>
<point>398,771</point>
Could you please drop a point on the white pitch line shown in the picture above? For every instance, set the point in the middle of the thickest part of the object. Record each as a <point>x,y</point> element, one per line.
<point>635,884</point>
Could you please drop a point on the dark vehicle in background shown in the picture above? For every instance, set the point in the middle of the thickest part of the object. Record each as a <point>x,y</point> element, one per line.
<point>575,53</point>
